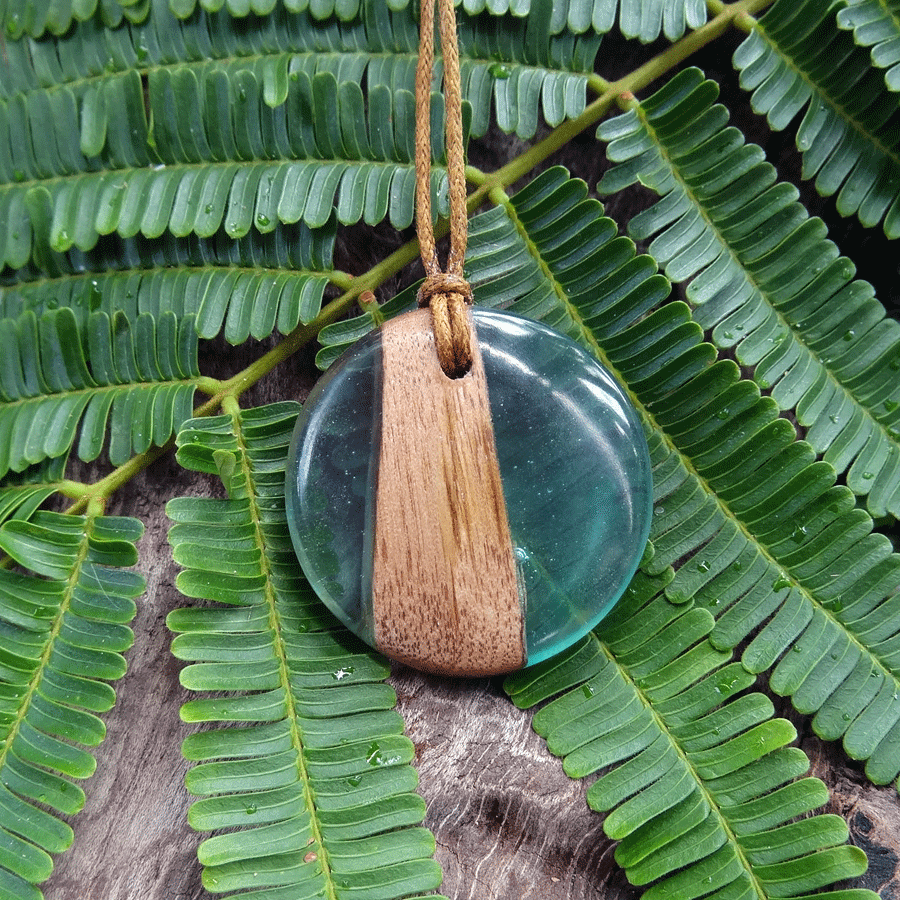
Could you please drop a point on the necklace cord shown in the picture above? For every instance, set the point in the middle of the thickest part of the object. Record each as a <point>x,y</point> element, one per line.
<point>447,293</point>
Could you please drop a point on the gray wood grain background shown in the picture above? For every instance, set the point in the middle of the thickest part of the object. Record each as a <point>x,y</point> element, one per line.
<point>509,824</point>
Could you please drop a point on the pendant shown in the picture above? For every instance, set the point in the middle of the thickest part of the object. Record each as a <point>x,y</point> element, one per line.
<point>475,525</point>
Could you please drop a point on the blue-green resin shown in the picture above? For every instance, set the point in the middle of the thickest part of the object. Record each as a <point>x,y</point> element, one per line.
<point>573,463</point>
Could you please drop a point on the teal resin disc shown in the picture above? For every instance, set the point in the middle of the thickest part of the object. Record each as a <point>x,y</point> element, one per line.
<point>573,464</point>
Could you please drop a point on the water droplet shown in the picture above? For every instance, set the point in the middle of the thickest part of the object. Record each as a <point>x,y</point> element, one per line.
<point>726,683</point>
<point>798,533</point>
<point>728,335</point>
<point>342,673</point>
<point>868,476</point>
<point>738,566</point>
<point>499,70</point>
<point>262,220</point>
<point>354,780</point>
<point>208,208</point>
<point>797,648</point>
<point>848,336</point>
<point>242,94</point>
<point>781,583</point>
<point>703,566</point>
<point>250,810</point>
<point>834,418</point>
<point>658,510</point>
<point>890,405</point>
<point>95,296</point>
<point>587,690</point>
<point>845,717</point>
<point>18,175</point>
<point>723,414</point>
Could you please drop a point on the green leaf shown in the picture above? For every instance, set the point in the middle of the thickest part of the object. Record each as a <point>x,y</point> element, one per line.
<point>244,145</point>
<point>65,625</point>
<point>249,287</point>
<point>796,58</point>
<point>309,760</point>
<point>22,494</point>
<point>763,280</point>
<point>698,782</point>
<point>876,24</point>
<point>138,387</point>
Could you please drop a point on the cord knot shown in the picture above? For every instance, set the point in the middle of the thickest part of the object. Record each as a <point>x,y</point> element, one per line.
<point>443,283</point>
<point>448,296</point>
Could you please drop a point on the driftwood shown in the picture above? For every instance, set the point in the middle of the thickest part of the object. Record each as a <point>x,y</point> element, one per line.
<point>509,824</point>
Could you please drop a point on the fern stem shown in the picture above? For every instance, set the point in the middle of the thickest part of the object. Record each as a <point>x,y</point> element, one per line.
<point>343,280</point>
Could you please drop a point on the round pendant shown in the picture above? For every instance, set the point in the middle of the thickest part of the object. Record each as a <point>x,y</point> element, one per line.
<point>469,526</point>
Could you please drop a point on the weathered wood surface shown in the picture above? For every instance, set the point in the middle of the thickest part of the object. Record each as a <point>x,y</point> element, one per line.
<point>509,824</point>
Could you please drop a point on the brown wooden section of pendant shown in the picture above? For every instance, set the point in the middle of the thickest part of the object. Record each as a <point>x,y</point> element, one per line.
<point>444,587</point>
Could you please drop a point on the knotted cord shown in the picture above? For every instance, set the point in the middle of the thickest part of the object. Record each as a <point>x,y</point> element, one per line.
<point>447,293</point>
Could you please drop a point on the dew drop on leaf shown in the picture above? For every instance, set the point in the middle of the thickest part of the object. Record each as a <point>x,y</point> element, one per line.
<point>354,780</point>
<point>850,335</point>
<point>722,413</point>
<point>498,70</point>
<point>587,690</point>
<point>868,476</point>
<point>262,220</point>
<point>250,810</point>
<point>208,208</point>
<point>703,566</point>
<point>780,583</point>
<point>890,405</point>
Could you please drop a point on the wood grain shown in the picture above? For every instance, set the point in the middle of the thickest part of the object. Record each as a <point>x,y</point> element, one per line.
<point>444,588</point>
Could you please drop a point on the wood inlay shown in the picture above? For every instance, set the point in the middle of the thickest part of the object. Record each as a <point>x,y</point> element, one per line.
<point>444,586</point>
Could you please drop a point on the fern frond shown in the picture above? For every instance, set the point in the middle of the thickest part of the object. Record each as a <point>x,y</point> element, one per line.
<point>312,758</point>
<point>19,18</point>
<point>796,58</point>
<point>251,286</point>
<point>65,626</point>
<point>876,24</point>
<point>698,782</point>
<point>23,493</point>
<point>761,533</point>
<point>763,278</point>
<point>138,386</point>
<point>247,127</point>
